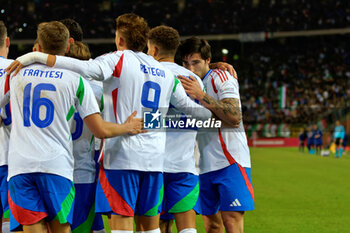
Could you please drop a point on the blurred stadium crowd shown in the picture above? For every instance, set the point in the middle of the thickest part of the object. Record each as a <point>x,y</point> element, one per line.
<point>317,80</point>
<point>315,70</point>
<point>190,17</point>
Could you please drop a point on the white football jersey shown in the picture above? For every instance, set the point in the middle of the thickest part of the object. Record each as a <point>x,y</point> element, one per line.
<point>43,102</point>
<point>225,146</point>
<point>84,143</point>
<point>179,148</point>
<point>5,114</point>
<point>132,81</point>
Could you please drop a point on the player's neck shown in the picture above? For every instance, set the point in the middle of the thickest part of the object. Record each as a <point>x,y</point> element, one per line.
<point>166,59</point>
<point>205,72</point>
<point>3,52</point>
<point>52,53</point>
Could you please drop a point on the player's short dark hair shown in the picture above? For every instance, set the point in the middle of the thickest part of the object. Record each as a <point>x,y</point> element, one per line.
<point>195,45</point>
<point>166,38</point>
<point>74,28</point>
<point>3,33</point>
<point>134,30</point>
<point>53,37</point>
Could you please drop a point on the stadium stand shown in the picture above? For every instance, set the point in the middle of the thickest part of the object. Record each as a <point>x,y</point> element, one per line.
<point>207,17</point>
<point>314,70</point>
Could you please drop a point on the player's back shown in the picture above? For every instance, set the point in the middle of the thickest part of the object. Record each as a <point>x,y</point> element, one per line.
<point>84,143</point>
<point>5,114</point>
<point>180,158</point>
<point>43,100</point>
<point>140,83</point>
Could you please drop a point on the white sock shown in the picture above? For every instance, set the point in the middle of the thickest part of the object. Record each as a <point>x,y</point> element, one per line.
<point>189,230</point>
<point>151,231</point>
<point>119,231</point>
<point>6,227</point>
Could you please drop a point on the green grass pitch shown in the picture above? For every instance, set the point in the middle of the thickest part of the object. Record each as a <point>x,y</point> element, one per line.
<point>297,193</point>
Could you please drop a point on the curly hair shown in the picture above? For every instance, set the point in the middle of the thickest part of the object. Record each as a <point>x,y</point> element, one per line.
<point>166,38</point>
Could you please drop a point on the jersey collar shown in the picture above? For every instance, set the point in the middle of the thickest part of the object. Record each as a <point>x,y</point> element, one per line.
<point>207,74</point>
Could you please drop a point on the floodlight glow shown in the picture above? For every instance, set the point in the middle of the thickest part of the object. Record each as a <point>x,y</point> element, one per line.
<point>224,51</point>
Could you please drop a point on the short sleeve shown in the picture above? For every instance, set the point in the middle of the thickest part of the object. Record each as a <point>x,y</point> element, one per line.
<point>226,85</point>
<point>86,103</point>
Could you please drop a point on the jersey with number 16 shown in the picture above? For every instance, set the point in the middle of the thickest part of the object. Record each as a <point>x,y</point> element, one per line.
<point>43,102</point>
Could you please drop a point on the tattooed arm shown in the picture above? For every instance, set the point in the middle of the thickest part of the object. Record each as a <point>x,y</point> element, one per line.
<point>226,110</point>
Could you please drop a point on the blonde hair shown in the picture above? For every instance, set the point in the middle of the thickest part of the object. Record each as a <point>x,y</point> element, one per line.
<point>134,30</point>
<point>53,37</point>
<point>79,50</point>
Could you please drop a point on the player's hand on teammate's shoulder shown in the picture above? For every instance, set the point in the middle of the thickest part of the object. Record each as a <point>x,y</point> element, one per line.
<point>224,66</point>
<point>134,125</point>
<point>192,87</point>
<point>14,67</point>
<point>20,62</point>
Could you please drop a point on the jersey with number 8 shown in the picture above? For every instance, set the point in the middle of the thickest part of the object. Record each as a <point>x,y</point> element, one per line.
<point>42,106</point>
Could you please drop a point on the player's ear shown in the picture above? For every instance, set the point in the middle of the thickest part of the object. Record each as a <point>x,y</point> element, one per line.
<point>7,42</point>
<point>208,61</point>
<point>121,42</point>
<point>68,46</point>
<point>40,49</point>
<point>155,51</point>
<point>71,40</point>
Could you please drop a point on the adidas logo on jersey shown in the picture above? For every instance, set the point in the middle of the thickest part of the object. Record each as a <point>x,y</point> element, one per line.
<point>235,203</point>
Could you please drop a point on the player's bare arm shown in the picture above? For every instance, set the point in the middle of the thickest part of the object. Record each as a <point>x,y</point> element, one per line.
<point>226,110</point>
<point>30,58</point>
<point>103,129</point>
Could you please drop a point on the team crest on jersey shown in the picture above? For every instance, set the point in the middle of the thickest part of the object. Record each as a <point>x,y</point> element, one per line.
<point>152,120</point>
